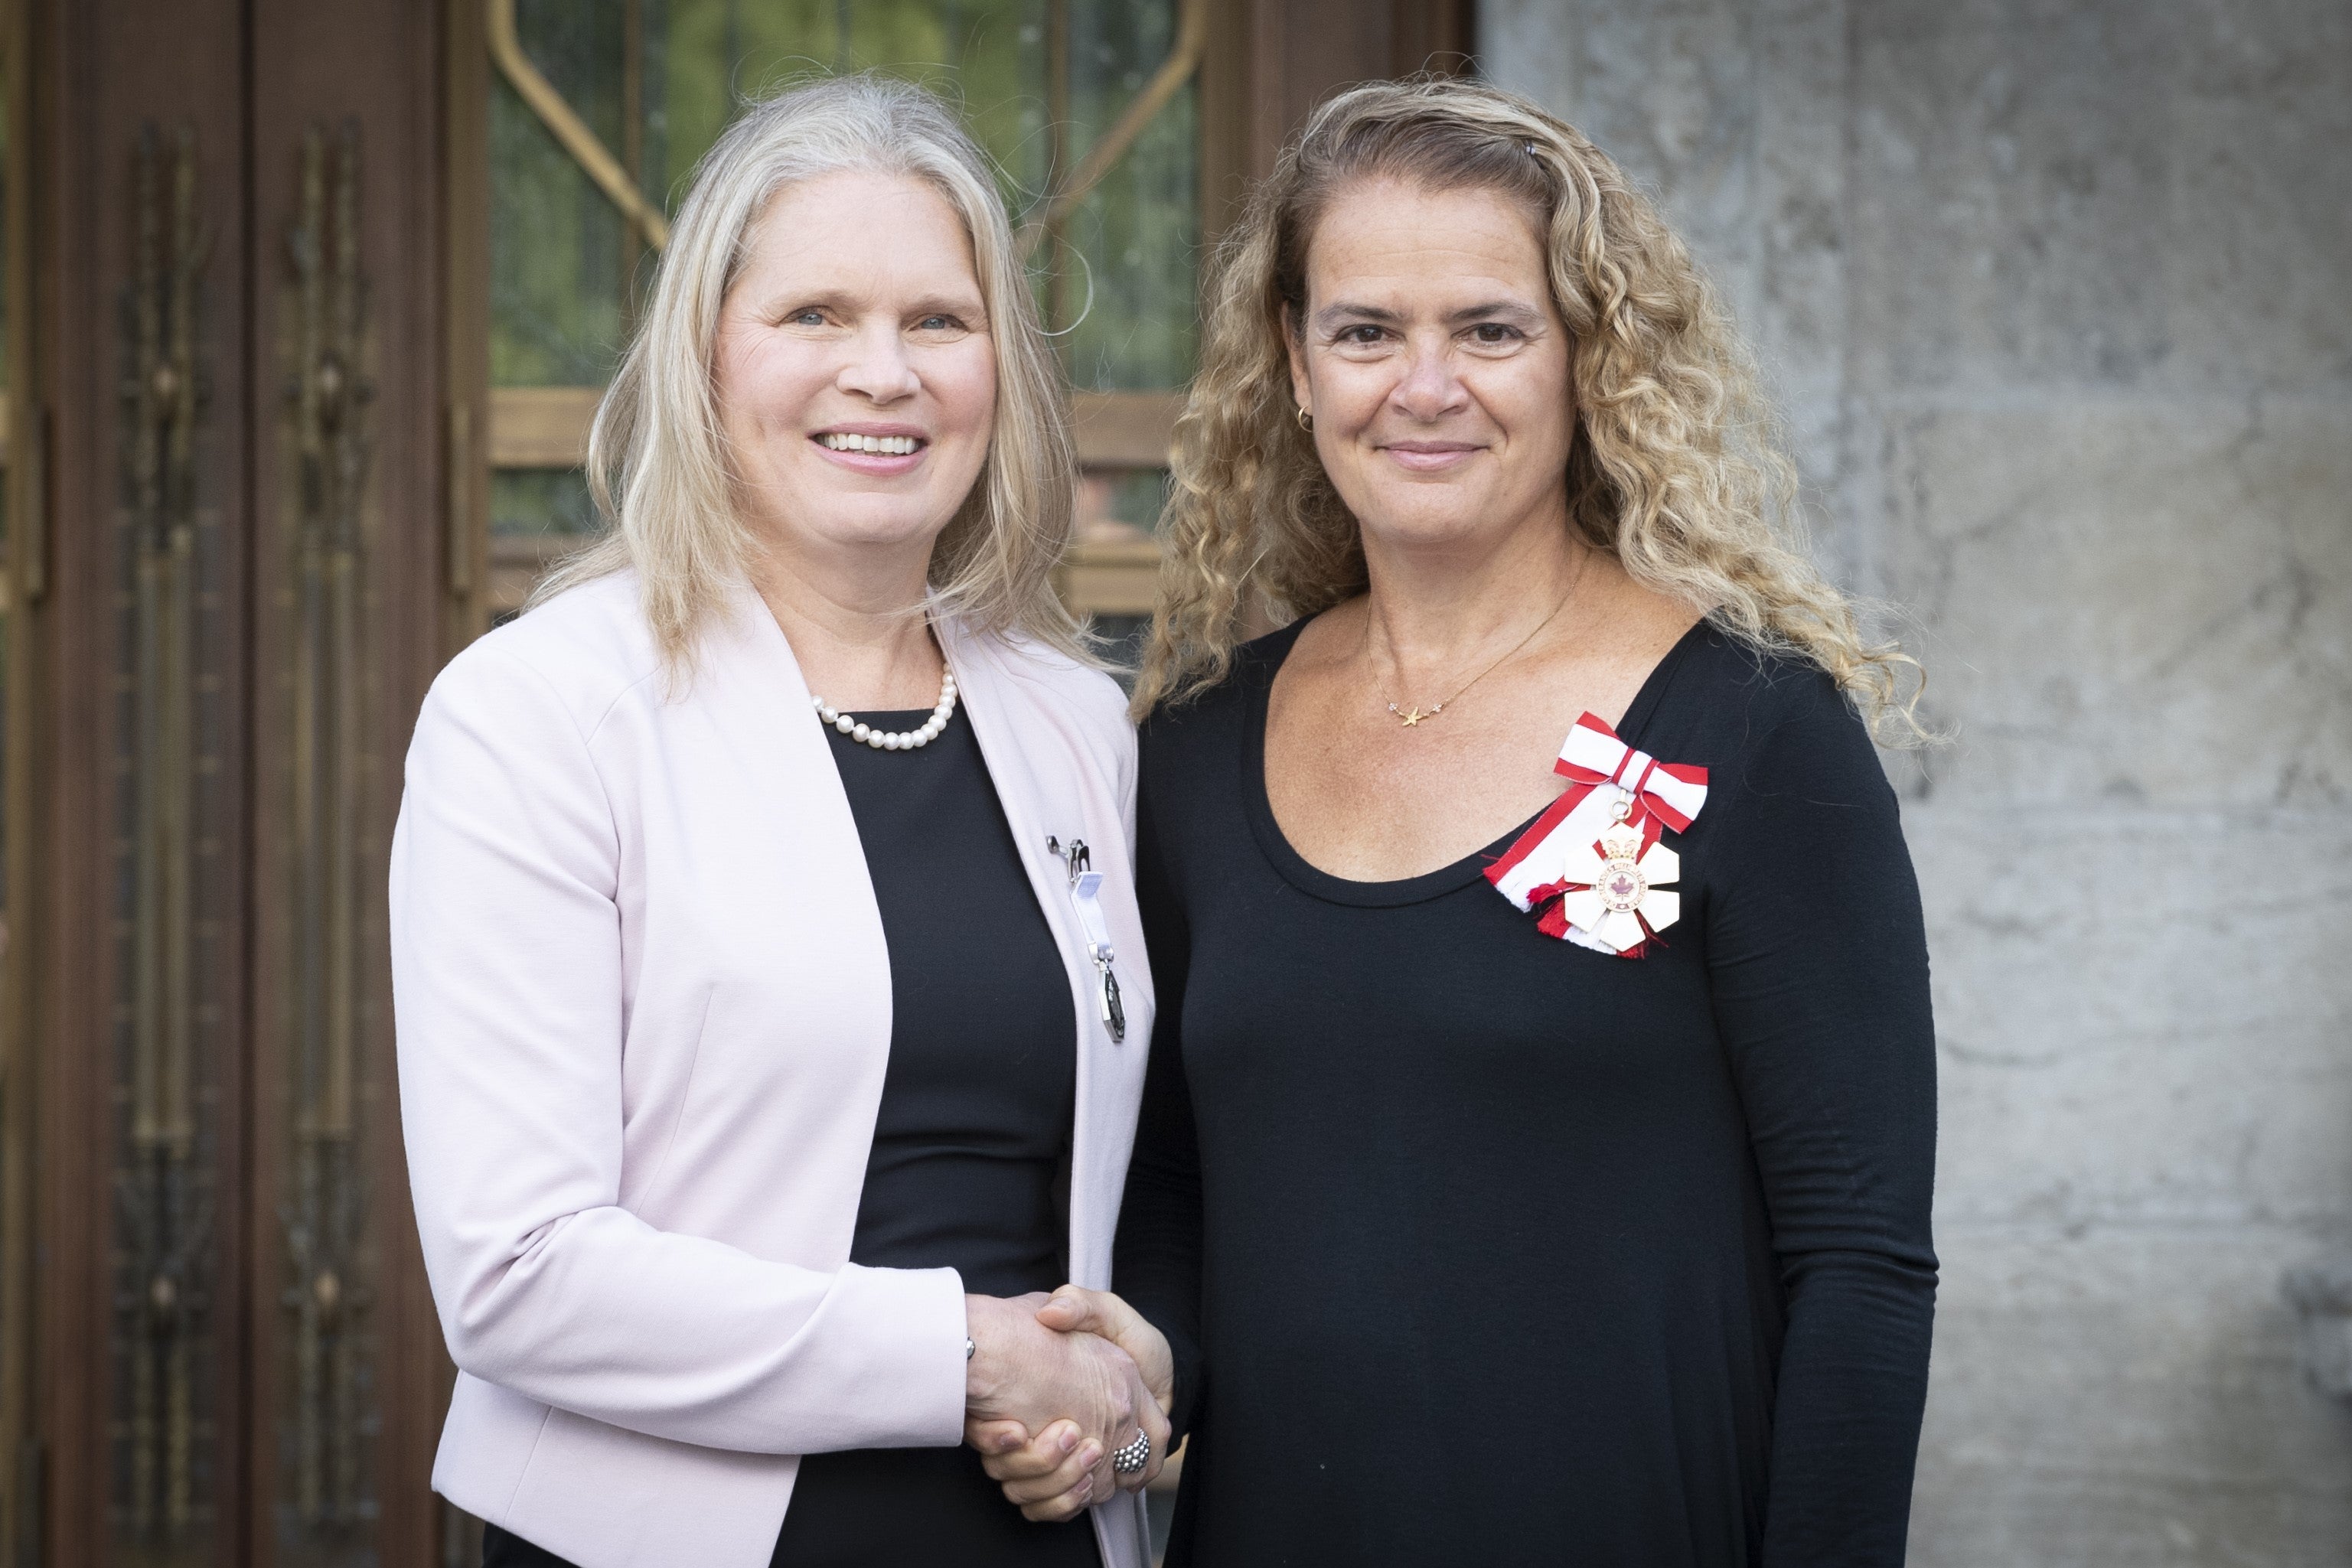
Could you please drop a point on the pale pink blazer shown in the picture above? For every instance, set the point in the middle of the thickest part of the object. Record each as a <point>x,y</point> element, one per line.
<point>644,1010</point>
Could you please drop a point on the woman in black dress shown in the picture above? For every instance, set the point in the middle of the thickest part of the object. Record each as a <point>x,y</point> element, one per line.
<point>1535,1156</point>
<point>759,904</point>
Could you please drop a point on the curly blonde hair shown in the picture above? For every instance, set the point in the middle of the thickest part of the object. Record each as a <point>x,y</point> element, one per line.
<point>1674,469</point>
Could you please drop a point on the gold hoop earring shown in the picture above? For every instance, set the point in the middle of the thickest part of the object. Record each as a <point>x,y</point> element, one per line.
<point>1306,420</point>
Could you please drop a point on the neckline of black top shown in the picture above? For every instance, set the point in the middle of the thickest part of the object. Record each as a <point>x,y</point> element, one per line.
<point>875,717</point>
<point>1310,879</point>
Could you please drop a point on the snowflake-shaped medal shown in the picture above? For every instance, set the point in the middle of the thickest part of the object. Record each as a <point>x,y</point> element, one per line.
<point>1616,893</point>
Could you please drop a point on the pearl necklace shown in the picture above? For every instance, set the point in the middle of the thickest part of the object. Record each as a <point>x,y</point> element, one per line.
<point>899,740</point>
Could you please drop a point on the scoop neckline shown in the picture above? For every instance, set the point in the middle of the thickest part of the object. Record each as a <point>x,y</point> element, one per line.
<point>1311,878</point>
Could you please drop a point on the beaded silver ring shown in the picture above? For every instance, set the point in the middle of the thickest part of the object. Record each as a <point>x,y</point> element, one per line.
<point>1128,1461</point>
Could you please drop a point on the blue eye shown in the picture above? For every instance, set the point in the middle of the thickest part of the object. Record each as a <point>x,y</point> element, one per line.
<point>808,318</point>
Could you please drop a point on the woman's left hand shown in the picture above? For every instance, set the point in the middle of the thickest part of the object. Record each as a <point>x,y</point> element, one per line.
<point>1037,1472</point>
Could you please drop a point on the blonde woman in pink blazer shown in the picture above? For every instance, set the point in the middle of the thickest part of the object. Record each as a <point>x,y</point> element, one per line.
<point>772,999</point>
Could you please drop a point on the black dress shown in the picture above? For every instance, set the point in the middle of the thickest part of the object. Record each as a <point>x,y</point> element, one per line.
<point>1478,1245</point>
<point>971,1145</point>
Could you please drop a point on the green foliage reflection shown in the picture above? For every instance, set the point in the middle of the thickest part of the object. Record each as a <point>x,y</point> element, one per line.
<point>563,265</point>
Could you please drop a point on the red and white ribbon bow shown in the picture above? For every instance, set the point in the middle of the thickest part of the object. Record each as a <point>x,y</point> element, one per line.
<point>1603,773</point>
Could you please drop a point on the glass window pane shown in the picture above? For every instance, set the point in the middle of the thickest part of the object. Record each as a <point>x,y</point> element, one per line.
<point>563,262</point>
<point>533,502</point>
<point>560,252</point>
<point>1129,249</point>
<point>1117,504</point>
<point>1120,643</point>
<point>657,80</point>
<point>986,55</point>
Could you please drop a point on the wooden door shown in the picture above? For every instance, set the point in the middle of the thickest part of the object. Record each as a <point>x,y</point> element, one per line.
<point>228,551</point>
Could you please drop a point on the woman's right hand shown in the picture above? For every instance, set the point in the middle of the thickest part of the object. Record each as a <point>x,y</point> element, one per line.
<point>1040,1473</point>
<point>1074,1309</point>
<point>1082,1394</point>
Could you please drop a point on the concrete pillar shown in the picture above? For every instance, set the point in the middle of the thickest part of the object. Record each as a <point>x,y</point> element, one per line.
<point>2059,300</point>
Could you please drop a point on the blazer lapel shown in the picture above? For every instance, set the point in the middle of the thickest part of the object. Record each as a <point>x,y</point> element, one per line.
<point>1041,769</point>
<point>800,842</point>
<point>991,701</point>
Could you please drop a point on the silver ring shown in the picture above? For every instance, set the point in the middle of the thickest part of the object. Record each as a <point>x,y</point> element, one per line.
<point>1131,1459</point>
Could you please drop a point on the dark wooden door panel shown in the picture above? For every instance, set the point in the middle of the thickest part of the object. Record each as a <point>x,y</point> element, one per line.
<point>345,1372</point>
<point>231,287</point>
<point>142,1309</point>
<point>1269,62</point>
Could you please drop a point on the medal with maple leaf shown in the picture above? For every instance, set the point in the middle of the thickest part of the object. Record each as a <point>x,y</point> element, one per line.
<point>1620,894</point>
<point>1591,867</point>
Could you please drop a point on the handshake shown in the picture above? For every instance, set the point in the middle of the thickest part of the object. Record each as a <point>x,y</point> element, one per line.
<point>1056,1387</point>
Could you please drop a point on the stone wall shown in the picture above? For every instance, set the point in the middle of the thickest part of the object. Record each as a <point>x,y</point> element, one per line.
<point>2058,298</point>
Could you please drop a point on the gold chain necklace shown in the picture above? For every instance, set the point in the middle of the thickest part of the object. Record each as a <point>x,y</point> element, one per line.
<point>1413,715</point>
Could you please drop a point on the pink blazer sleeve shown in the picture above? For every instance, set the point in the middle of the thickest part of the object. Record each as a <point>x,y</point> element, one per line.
<point>508,986</point>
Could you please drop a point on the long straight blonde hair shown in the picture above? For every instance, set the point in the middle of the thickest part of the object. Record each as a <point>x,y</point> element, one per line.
<point>1675,468</point>
<point>657,462</point>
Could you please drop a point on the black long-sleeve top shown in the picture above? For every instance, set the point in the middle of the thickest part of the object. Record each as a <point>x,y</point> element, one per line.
<point>1475,1244</point>
<point>969,1140</point>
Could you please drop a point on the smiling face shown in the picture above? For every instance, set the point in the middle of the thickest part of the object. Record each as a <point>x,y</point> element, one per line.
<point>854,370</point>
<point>1435,365</point>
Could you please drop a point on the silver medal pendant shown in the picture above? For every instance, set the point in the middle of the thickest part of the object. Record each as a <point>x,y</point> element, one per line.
<point>1085,885</point>
<point>1114,1011</point>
